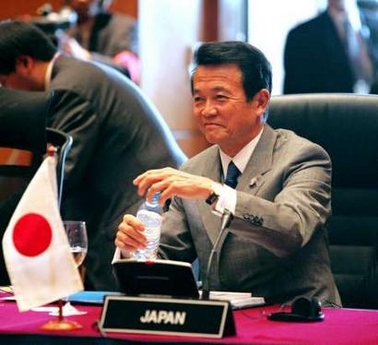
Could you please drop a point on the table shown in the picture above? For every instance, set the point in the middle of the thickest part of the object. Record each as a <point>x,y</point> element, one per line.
<point>340,326</point>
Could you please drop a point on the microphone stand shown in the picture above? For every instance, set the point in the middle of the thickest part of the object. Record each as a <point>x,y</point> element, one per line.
<point>226,221</point>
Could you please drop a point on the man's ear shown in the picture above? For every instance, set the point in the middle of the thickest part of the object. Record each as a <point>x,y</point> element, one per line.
<point>262,97</point>
<point>261,101</point>
<point>24,64</point>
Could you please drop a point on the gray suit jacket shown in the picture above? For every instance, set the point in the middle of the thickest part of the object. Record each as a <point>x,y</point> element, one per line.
<point>111,34</point>
<point>118,134</point>
<point>276,246</point>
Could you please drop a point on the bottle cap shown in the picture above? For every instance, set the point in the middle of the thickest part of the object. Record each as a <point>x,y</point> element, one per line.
<point>155,199</point>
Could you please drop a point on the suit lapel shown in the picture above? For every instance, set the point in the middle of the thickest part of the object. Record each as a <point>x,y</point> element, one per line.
<point>261,161</point>
<point>212,169</point>
<point>250,181</point>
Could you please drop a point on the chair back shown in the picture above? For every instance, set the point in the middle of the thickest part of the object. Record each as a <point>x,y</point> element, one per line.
<point>346,126</point>
<point>62,142</point>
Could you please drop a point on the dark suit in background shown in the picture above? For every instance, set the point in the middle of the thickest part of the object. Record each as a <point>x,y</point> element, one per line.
<point>315,59</point>
<point>117,134</point>
<point>332,52</point>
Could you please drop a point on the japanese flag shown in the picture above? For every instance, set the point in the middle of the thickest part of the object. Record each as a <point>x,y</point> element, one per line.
<point>36,250</point>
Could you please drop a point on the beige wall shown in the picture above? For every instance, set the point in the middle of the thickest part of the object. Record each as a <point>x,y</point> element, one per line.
<point>168,31</point>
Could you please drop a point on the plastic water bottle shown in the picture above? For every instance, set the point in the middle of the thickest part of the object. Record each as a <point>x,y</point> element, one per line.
<point>150,214</point>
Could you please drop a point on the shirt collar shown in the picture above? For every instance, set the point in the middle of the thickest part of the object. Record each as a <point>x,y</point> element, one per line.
<point>49,69</point>
<point>242,157</point>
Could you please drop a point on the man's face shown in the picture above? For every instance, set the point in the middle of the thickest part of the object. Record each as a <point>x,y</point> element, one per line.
<point>28,75</point>
<point>17,82</point>
<point>221,109</point>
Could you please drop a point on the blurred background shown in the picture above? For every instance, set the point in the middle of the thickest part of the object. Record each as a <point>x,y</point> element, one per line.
<point>169,30</point>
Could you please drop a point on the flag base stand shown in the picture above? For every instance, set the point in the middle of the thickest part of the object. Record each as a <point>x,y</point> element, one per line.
<point>61,324</point>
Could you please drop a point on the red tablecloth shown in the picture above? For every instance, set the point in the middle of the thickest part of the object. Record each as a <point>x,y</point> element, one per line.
<point>340,326</point>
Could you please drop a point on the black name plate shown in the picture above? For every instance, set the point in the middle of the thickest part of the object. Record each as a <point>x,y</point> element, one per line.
<point>168,316</point>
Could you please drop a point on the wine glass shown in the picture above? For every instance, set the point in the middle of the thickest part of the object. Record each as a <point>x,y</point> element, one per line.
<point>76,231</point>
<point>78,241</point>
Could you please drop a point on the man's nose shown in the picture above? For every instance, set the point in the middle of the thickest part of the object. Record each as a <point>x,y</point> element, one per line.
<point>209,109</point>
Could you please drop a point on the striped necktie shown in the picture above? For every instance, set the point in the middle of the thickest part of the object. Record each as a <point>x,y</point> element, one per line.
<point>232,175</point>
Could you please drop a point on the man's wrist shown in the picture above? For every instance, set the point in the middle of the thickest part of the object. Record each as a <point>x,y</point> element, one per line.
<point>214,194</point>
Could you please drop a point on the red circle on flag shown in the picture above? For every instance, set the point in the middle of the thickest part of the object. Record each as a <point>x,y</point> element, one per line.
<point>32,234</point>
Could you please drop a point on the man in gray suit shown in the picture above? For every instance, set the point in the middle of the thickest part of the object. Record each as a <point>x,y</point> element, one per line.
<point>117,134</point>
<point>100,35</point>
<point>276,245</point>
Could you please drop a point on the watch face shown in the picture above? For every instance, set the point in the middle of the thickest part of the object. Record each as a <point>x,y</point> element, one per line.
<point>212,198</point>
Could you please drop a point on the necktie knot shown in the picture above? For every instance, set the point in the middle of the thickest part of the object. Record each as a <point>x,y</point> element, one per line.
<point>232,175</point>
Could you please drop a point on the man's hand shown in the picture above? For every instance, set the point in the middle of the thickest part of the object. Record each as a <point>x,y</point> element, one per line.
<point>172,182</point>
<point>130,235</point>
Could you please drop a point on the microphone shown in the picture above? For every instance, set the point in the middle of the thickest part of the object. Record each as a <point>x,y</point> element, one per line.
<point>226,221</point>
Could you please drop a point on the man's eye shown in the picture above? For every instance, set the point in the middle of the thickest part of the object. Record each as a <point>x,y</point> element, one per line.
<point>221,97</point>
<point>198,99</point>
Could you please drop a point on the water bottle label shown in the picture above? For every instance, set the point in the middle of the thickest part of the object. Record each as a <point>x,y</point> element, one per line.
<point>149,219</point>
<point>152,222</point>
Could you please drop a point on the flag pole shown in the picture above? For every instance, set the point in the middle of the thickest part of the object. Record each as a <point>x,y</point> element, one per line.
<point>52,151</point>
<point>61,323</point>
<point>60,310</point>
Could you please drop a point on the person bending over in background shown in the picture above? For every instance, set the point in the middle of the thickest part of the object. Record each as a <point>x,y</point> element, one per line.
<point>117,134</point>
